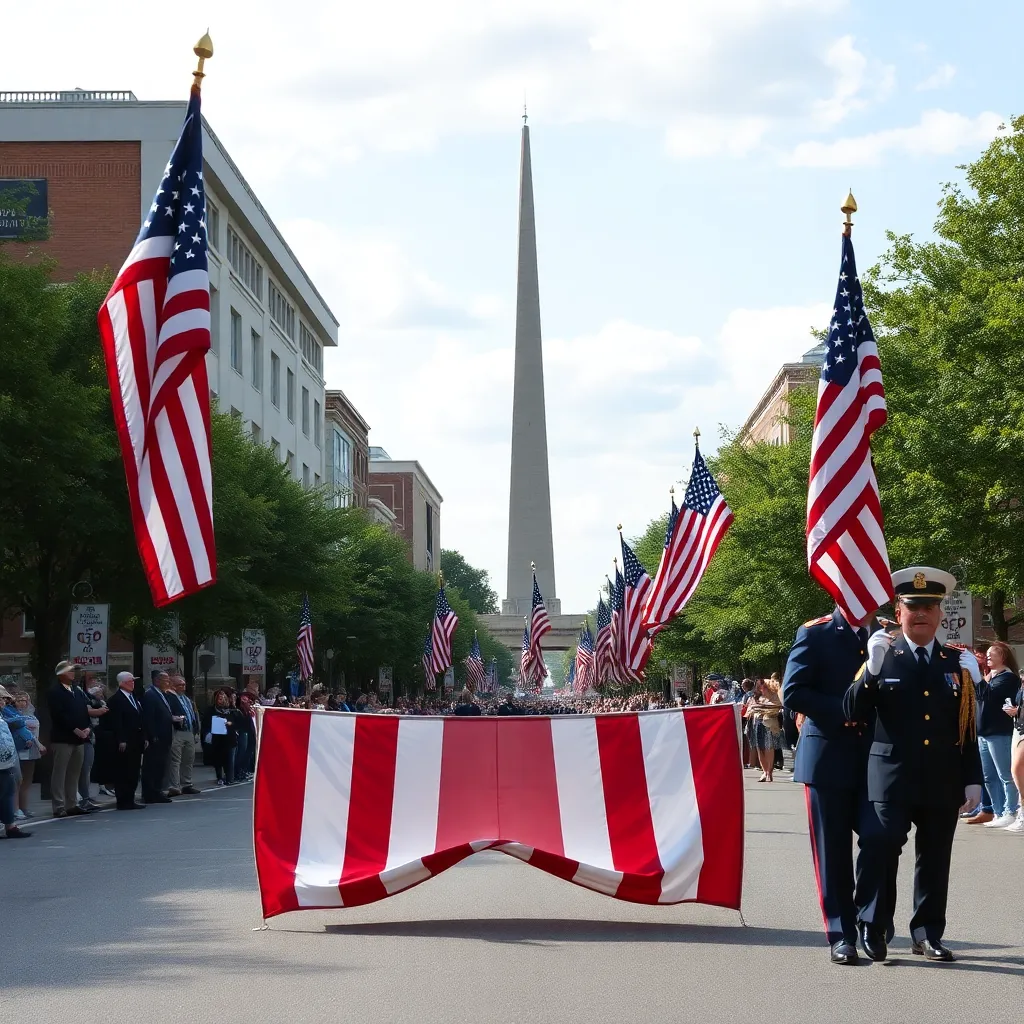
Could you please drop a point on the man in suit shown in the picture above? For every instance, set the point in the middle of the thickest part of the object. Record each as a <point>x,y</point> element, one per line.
<point>70,729</point>
<point>159,723</point>
<point>831,761</point>
<point>923,765</point>
<point>183,744</point>
<point>125,722</point>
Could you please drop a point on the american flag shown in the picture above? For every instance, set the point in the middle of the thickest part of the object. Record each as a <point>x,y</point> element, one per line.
<point>304,641</point>
<point>692,537</point>
<point>618,672</point>
<point>846,550</point>
<point>155,330</point>
<point>428,663</point>
<point>570,678</point>
<point>585,661</point>
<point>636,644</point>
<point>603,654</point>
<point>445,621</point>
<point>475,666</point>
<point>526,665</point>
<point>540,625</point>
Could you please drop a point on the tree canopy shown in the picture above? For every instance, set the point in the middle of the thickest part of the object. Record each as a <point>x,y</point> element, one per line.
<point>474,584</point>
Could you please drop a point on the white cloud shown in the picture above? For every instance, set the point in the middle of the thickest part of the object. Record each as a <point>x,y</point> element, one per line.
<point>699,135</point>
<point>940,77</point>
<point>858,82</point>
<point>938,133</point>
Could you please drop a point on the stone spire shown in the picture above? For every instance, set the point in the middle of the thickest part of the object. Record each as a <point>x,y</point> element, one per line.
<point>529,518</point>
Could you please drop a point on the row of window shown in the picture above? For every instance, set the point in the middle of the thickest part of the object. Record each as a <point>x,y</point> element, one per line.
<point>250,272</point>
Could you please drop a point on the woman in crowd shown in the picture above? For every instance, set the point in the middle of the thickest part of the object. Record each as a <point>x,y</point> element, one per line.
<point>995,737</point>
<point>245,754</point>
<point>9,777</point>
<point>766,712</point>
<point>28,753</point>
<point>222,742</point>
<point>1015,712</point>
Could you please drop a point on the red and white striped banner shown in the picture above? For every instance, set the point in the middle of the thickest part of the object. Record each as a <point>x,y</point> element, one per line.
<point>351,809</point>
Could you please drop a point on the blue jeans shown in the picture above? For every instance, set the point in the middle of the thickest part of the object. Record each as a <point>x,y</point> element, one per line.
<point>995,766</point>
<point>8,794</point>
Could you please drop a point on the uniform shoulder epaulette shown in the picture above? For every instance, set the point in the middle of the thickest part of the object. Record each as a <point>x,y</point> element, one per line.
<point>819,621</point>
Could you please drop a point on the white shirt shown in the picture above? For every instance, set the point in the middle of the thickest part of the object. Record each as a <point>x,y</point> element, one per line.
<point>929,647</point>
<point>131,699</point>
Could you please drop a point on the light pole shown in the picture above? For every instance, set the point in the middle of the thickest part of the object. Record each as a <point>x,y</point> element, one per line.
<point>329,655</point>
<point>206,660</point>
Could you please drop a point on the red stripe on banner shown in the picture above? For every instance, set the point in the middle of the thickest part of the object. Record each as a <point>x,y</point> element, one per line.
<point>194,298</point>
<point>528,811</point>
<point>630,828</point>
<point>277,806</point>
<point>713,737</point>
<point>467,808</point>
<point>153,268</point>
<point>374,753</point>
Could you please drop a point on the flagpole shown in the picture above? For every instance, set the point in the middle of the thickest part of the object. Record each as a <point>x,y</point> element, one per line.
<point>849,208</point>
<point>204,51</point>
<point>696,436</point>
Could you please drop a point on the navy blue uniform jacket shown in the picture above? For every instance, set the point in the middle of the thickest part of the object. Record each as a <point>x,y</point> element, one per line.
<point>823,662</point>
<point>915,756</point>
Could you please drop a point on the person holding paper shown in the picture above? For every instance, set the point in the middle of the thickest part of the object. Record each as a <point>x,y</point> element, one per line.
<point>220,739</point>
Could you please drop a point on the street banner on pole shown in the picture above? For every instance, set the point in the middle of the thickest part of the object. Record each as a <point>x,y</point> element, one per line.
<point>254,652</point>
<point>957,623</point>
<point>384,680</point>
<point>88,642</point>
<point>449,679</point>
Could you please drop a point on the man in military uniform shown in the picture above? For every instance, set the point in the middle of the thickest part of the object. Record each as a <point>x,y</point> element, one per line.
<point>923,764</point>
<point>831,762</point>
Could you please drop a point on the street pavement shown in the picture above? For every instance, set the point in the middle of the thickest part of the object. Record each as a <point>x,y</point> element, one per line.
<point>149,917</point>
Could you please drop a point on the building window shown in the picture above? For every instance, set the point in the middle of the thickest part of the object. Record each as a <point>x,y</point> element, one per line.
<point>290,396</point>
<point>257,360</point>
<point>316,480</point>
<point>291,464</point>
<point>28,624</point>
<point>214,321</point>
<point>236,342</point>
<point>312,351</point>
<point>305,411</point>
<point>257,434</point>
<point>212,225</point>
<point>236,414</point>
<point>275,447</point>
<point>281,310</point>
<point>316,423</point>
<point>305,476</point>
<point>341,467</point>
<point>245,265</point>
<point>430,535</point>
<point>275,380</point>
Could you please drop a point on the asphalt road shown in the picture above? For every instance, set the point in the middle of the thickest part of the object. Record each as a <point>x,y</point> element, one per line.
<point>149,917</point>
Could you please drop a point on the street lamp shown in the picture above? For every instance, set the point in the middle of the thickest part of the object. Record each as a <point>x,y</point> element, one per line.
<point>206,660</point>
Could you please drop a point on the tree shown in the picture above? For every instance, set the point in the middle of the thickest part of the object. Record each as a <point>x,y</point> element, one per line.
<point>474,584</point>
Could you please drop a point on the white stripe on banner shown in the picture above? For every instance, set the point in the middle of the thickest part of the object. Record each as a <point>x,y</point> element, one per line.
<point>581,803</point>
<point>674,810</point>
<point>325,810</point>
<point>414,808</point>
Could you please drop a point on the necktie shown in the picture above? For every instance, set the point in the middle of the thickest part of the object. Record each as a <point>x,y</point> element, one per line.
<point>922,658</point>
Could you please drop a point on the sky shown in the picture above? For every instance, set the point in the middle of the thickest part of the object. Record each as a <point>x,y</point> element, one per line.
<point>689,162</point>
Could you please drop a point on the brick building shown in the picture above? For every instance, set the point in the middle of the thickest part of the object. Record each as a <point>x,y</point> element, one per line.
<point>767,420</point>
<point>405,489</point>
<point>347,456</point>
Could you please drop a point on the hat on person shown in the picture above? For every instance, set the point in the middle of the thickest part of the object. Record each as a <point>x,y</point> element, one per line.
<point>5,693</point>
<point>64,666</point>
<point>123,677</point>
<point>922,584</point>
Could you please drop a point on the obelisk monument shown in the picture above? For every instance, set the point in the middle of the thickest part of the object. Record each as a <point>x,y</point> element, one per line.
<point>529,508</point>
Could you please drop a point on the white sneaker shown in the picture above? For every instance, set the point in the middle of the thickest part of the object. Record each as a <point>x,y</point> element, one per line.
<point>1018,825</point>
<point>1003,821</point>
<point>19,814</point>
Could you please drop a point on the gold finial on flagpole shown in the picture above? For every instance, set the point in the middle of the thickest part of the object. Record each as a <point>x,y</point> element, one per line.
<point>533,566</point>
<point>204,51</point>
<point>619,527</point>
<point>849,207</point>
<point>440,580</point>
<point>696,436</point>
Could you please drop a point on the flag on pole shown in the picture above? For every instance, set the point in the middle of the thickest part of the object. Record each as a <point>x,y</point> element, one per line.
<point>445,621</point>
<point>430,680</point>
<point>492,676</point>
<point>692,537</point>
<point>644,807</point>
<point>304,641</point>
<point>570,679</point>
<point>540,625</point>
<point>636,643</point>
<point>846,551</point>
<point>526,659</point>
<point>585,661</point>
<point>475,666</point>
<point>154,328</point>
<point>603,653</point>
<point>618,672</point>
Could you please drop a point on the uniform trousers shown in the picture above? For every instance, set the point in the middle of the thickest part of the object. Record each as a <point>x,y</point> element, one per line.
<point>933,848</point>
<point>154,767</point>
<point>180,760</point>
<point>67,767</point>
<point>127,764</point>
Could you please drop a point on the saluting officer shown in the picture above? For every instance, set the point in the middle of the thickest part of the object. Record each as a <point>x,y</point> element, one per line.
<point>831,762</point>
<point>923,764</point>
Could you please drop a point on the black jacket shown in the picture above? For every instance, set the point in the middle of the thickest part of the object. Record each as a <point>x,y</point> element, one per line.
<point>915,756</point>
<point>125,720</point>
<point>69,710</point>
<point>156,716</point>
<point>178,707</point>
<point>992,719</point>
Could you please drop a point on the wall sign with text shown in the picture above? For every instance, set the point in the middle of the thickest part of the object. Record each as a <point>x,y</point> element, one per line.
<point>23,208</point>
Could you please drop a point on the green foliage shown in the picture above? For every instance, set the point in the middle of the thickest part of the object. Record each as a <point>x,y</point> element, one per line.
<point>474,584</point>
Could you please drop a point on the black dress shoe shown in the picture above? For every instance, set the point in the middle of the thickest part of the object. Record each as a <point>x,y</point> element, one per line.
<point>160,800</point>
<point>17,833</point>
<point>844,952</point>
<point>191,791</point>
<point>873,942</point>
<point>932,951</point>
<point>132,807</point>
<point>72,812</point>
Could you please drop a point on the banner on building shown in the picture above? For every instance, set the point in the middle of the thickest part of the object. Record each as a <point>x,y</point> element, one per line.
<point>681,677</point>
<point>957,623</point>
<point>254,652</point>
<point>384,680</point>
<point>89,634</point>
<point>449,680</point>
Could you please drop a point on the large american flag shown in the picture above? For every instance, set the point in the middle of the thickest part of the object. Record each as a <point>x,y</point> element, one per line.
<point>603,653</point>
<point>430,680</point>
<point>475,666</point>
<point>691,539</point>
<point>304,641</point>
<point>618,674</point>
<point>645,807</point>
<point>540,625</point>
<point>526,664</point>
<point>846,551</point>
<point>445,621</point>
<point>636,643</point>
<point>155,330</point>
<point>585,661</point>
